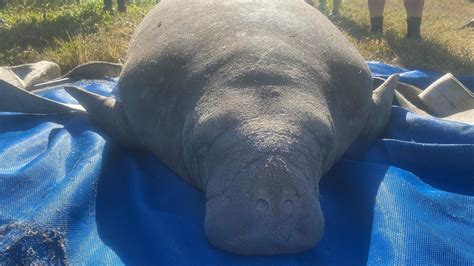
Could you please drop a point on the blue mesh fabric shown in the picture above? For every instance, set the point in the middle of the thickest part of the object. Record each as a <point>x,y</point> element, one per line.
<point>68,194</point>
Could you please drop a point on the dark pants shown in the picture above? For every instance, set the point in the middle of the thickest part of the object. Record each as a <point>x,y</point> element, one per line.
<point>108,5</point>
<point>323,4</point>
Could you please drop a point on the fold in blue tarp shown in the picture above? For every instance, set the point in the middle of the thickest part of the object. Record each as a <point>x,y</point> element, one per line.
<point>70,194</point>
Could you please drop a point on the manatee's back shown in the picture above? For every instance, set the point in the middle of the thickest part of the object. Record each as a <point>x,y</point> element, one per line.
<point>181,47</point>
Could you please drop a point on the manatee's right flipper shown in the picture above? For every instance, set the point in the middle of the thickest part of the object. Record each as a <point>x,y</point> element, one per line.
<point>379,115</point>
<point>14,99</point>
<point>407,96</point>
<point>108,114</point>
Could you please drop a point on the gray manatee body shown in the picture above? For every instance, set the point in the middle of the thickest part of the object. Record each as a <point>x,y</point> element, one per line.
<point>250,101</point>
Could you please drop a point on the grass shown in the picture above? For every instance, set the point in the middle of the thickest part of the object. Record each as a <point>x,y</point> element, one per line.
<point>445,47</point>
<point>70,34</point>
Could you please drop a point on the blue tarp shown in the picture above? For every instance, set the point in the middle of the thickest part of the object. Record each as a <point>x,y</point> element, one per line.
<point>70,194</point>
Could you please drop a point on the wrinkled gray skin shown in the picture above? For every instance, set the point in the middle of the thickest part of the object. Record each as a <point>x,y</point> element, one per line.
<point>252,102</point>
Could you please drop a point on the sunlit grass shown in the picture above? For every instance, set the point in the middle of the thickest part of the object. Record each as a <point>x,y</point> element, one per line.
<point>68,35</point>
<point>445,46</point>
<point>76,33</point>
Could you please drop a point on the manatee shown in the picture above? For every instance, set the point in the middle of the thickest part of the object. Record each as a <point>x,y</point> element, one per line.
<point>252,102</point>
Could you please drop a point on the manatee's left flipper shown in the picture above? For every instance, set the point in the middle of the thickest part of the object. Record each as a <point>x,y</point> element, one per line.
<point>379,115</point>
<point>108,114</point>
<point>14,99</point>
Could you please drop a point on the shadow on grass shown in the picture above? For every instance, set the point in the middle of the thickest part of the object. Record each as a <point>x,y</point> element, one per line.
<point>423,53</point>
<point>40,31</point>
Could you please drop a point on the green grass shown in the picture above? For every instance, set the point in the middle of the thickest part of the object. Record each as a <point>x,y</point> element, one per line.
<point>70,34</point>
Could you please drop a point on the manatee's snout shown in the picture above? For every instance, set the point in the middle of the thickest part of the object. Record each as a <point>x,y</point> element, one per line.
<point>276,211</point>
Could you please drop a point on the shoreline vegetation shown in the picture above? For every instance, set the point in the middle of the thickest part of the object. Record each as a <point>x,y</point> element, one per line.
<point>74,32</point>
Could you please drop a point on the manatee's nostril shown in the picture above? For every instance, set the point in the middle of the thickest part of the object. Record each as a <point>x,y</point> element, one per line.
<point>287,206</point>
<point>262,205</point>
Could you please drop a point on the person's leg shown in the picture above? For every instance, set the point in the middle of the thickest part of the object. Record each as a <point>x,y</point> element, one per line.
<point>322,6</point>
<point>414,10</point>
<point>122,7</point>
<point>108,5</point>
<point>376,8</point>
<point>336,4</point>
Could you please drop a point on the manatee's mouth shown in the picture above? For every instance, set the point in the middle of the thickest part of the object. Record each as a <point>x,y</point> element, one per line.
<point>260,179</point>
<point>238,226</point>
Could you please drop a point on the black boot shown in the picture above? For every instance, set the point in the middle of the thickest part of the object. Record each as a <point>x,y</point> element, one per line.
<point>376,25</point>
<point>108,5</point>
<point>413,28</point>
<point>323,6</point>
<point>336,4</point>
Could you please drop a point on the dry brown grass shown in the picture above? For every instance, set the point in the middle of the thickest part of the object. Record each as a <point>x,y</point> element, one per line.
<point>445,46</point>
